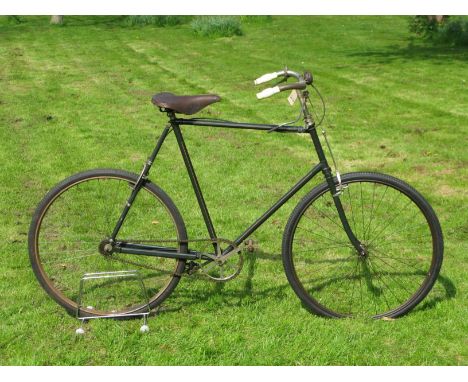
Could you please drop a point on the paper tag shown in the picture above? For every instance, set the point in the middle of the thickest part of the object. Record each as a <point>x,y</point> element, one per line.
<point>292,97</point>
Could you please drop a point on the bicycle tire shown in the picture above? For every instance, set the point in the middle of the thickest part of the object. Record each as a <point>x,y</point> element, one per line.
<point>74,182</point>
<point>352,271</point>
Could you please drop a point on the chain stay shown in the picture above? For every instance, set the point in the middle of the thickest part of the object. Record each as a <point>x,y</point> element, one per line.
<point>217,260</point>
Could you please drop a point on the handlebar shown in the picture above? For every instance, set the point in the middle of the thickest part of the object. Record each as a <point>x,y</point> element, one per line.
<point>268,92</point>
<point>266,77</point>
<point>302,82</point>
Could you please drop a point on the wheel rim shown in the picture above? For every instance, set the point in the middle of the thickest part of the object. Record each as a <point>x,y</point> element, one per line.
<point>399,251</point>
<point>71,230</point>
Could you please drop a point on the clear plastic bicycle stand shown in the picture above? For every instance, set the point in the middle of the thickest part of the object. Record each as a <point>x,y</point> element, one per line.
<point>113,275</point>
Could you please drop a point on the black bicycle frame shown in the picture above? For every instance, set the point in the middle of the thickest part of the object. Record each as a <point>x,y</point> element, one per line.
<point>174,125</point>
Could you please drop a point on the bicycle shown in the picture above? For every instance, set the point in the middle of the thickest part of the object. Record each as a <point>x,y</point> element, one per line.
<point>360,244</point>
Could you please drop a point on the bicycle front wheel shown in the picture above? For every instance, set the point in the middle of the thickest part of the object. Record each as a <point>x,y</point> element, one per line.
<point>73,221</point>
<point>401,236</point>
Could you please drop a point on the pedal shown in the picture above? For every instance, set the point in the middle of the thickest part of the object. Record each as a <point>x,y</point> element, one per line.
<point>251,245</point>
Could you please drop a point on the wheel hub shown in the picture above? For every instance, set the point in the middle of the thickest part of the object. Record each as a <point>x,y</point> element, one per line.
<point>106,248</point>
<point>363,252</point>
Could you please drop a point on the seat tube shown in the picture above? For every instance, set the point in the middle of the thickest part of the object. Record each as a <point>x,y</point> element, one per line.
<point>193,179</point>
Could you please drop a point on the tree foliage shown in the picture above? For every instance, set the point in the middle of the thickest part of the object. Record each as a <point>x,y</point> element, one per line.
<point>447,30</point>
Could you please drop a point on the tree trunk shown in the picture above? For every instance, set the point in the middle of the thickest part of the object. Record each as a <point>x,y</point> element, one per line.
<point>439,19</point>
<point>56,20</point>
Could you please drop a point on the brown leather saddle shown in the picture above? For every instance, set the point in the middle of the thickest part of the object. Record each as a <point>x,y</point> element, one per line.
<point>184,104</point>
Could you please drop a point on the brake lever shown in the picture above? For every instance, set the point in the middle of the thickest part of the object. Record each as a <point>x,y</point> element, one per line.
<point>286,123</point>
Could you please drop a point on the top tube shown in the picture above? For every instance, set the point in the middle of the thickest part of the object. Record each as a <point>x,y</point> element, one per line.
<point>240,125</point>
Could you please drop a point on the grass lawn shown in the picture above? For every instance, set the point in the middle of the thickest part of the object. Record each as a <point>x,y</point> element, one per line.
<point>78,97</point>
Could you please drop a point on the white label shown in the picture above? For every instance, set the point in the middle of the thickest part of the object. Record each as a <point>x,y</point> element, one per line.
<point>292,97</point>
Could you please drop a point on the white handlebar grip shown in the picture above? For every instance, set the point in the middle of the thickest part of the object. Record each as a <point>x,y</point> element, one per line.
<point>268,92</point>
<point>265,78</point>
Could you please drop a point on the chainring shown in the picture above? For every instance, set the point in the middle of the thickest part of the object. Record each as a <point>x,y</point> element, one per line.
<point>223,269</point>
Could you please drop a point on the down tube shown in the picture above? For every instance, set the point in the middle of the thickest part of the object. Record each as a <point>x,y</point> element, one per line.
<point>279,203</point>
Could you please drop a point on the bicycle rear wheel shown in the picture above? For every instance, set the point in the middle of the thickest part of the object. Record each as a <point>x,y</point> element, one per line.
<point>77,216</point>
<point>398,229</point>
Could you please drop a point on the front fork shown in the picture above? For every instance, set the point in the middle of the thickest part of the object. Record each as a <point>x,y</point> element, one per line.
<point>334,192</point>
<point>339,207</point>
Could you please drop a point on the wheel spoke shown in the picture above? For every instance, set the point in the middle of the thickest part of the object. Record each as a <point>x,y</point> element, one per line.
<point>399,259</point>
<point>351,208</point>
<point>322,236</point>
<point>70,258</point>
<point>400,230</point>
<point>388,221</point>
<point>378,205</point>
<point>321,248</point>
<point>371,213</point>
<point>371,265</point>
<point>391,220</point>
<point>321,213</point>
<point>389,274</point>
<point>362,212</point>
<point>351,300</point>
<point>76,221</point>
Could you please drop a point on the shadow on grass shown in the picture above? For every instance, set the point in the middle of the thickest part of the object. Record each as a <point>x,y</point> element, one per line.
<point>68,21</point>
<point>195,297</point>
<point>438,54</point>
<point>443,290</point>
<point>85,21</point>
<point>216,295</point>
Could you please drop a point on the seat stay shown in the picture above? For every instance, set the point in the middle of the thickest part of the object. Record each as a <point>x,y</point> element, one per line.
<point>140,182</point>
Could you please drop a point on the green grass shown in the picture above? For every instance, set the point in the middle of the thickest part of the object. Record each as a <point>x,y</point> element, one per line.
<point>78,97</point>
